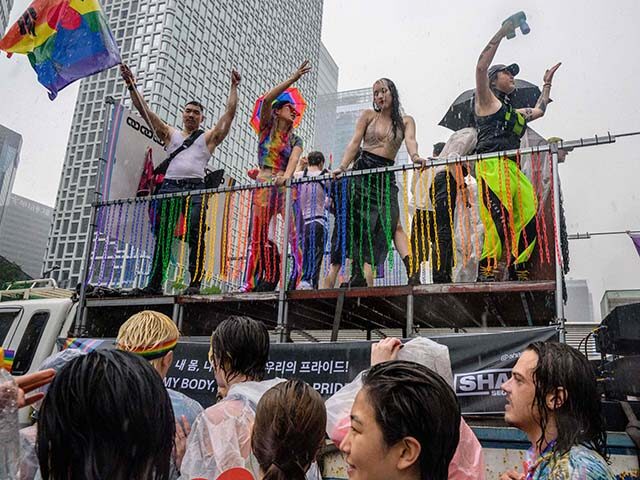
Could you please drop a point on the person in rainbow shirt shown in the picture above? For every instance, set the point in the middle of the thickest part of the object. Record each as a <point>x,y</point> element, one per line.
<point>278,152</point>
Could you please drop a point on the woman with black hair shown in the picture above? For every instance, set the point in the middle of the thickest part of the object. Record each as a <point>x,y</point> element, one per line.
<point>289,431</point>
<point>220,439</point>
<point>405,424</point>
<point>370,417</point>
<point>378,136</point>
<point>108,415</point>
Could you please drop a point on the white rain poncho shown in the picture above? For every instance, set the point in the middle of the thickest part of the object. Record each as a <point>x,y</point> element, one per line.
<point>468,460</point>
<point>220,437</point>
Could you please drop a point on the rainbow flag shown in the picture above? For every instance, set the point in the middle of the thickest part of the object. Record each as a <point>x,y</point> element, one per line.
<point>65,40</point>
<point>6,359</point>
<point>83,344</point>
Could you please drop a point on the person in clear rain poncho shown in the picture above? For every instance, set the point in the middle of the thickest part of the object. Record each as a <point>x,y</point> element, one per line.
<point>220,439</point>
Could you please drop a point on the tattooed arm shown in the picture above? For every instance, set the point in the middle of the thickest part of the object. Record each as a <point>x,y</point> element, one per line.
<point>486,103</point>
<point>539,110</point>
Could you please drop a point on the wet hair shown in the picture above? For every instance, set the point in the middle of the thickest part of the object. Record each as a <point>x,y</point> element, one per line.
<point>438,147</point>
<point>315,158</point>
<point>197,104</point>
<point>240,346</point>
<point>578,420</point>
<point>410,400</point>
<point>107,415</point>
<point>289,430</point>
<point>397,123</point>
<point>145,332</point>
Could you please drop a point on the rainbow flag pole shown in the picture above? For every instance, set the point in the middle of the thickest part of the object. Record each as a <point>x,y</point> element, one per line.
<point>65,40</point>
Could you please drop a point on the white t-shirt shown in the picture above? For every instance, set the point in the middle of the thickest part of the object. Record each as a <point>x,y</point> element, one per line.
<point>189,163</point>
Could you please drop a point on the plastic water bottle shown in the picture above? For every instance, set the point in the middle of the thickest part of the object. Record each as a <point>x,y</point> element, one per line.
<point>518,20</point>
<point>9,427</point>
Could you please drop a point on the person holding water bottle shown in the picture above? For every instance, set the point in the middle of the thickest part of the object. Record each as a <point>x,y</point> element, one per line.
<point>500,127</point>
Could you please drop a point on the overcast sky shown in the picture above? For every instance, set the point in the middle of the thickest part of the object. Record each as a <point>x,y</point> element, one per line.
<point>429,50</point>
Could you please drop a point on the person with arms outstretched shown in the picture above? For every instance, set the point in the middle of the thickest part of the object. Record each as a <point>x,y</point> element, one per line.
<point>189,149</point>
<point>279,150</point>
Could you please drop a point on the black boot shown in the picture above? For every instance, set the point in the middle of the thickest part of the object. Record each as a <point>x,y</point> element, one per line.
<point>154,287</point>
<point>519,272</point>
<point>486,271</point>
<point>192,289</point>
<point>357,278</point>
<point>414,278</point>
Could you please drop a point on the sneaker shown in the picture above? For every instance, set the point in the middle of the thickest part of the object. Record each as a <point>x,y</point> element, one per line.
<point>304,285</point>
<point>487,273</point>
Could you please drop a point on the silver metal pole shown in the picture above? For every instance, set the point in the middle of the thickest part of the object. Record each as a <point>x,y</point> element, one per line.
<point>284,262</point>
<point>97,193</point>
<point>555,175</point>
<point>410,327</point>
<point>177,315</point>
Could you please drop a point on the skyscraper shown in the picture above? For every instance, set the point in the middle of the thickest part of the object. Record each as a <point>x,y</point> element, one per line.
<point>5,10</point>
<point>325,124</point>
<point>23,233</point>
<point>181,51</point>
<point>10,144</point>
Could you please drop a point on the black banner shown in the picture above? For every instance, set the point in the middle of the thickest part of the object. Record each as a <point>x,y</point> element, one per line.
<point>480,364</point>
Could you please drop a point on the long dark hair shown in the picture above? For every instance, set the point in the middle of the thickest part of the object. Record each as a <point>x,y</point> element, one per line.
<point>240,346</point>
<point>578,420</point>
<point>410,400</point>
<point>397,123</point>
<point>288,431</point>
<point>107,414</point>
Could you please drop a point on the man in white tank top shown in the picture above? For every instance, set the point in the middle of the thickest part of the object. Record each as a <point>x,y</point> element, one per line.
<point>186,169</point>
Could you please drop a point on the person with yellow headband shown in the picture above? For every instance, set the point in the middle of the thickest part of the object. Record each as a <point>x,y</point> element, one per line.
<point>154,336</point>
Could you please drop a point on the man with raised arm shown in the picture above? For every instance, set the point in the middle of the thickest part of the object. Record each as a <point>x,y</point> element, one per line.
<point>508,202</point>
<point>189,150</point>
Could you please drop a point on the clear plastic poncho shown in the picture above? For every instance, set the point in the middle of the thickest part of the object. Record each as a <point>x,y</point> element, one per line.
<point>220,437</point>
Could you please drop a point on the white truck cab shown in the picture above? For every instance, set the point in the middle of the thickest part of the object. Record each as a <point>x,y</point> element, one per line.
<point>30,329</point>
